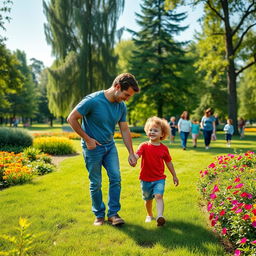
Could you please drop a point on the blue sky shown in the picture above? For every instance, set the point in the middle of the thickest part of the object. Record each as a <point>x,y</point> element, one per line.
<point>26,31</point>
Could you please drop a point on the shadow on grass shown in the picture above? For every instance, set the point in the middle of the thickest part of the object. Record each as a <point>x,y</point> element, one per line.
<point>176,235</point>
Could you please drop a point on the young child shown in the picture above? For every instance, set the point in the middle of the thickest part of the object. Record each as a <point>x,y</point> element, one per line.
<point>195,130</point>
<point>229,130</point>
<point>154,154</point>
<point>173,127</point>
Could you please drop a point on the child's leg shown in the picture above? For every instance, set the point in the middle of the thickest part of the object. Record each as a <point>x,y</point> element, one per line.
<point>159,205</point>
<point>148,205</point>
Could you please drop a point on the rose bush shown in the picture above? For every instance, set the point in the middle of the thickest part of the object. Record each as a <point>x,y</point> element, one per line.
<point>229,186</point>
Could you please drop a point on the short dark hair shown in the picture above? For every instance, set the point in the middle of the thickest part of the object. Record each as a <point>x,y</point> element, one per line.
<point>126,80</point>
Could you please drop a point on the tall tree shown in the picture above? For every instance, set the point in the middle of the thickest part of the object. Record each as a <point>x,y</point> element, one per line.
<point>237,19</point>
<point>82,35</point>
<point>158,60</point>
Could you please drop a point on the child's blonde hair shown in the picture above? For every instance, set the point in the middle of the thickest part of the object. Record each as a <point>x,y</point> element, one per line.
<point>161,122</point>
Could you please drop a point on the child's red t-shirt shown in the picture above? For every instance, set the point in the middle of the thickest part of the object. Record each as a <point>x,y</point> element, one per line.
<point>152,162</point>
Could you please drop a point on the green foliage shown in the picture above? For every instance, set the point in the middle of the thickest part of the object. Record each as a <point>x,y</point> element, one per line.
<point>228,185</point>
<point>42,168</point>
<point>54,145</point>
<point>158,61</point>
<point>31,153</point>
<point>82,35</point>
<point>22,242</point>
<point>10,137</point>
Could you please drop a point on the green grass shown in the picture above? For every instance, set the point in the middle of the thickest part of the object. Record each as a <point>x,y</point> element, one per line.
<point>59,207</point>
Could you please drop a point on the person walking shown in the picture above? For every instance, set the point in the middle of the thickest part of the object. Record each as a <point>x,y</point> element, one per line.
<point>195,130</point>
<point>184,128</point>
<point>241,126</point>
<point>152,178</point>
<point>208,126</point>
<point>173,127</point>
<point>229,131</point>
<point>100,112</point>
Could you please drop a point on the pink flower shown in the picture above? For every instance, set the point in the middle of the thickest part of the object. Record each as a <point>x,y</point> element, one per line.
<point>254,224</point>
<point>209,206</point>
<point>246,217</point>
<point>212,165</point>
<point>234,202</point>
<point>243,240</point>
<point>213,196</point>
<point>237,179</point>
<point>240,157</point>
<point>248,206</point>
<point>238,211</point>
<point>224,231</point>
<point>215,189</point>
<point>239,185</point>
<point>237,252</point>
<point>253,242</point>
<point>222,212</point>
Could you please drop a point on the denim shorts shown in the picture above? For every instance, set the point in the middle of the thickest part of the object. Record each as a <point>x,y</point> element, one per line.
<point>150,188</point>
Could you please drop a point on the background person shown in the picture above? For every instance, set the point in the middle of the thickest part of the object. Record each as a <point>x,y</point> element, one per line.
<point>173,127</point>
<point>241,126</point>
<point>184,128</point>
<point>100,112</point>
<point>195,130</point>
<point>154,154</point>
<point>229,131</point>
<point>208,126</point>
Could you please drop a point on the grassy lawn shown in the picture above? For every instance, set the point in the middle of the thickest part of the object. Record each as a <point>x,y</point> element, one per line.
<point>59,207</point>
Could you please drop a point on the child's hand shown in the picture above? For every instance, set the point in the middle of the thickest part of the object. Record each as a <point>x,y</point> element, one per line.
<point>175,181</point>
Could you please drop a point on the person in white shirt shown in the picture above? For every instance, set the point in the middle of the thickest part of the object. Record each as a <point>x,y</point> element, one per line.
<point>184,128</point>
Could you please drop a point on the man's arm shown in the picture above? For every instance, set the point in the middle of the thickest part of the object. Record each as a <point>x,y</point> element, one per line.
<point>126,135</point>
<point>73,120</point>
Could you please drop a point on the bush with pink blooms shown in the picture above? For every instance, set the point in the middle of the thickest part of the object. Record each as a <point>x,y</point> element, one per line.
<point>229,187</point>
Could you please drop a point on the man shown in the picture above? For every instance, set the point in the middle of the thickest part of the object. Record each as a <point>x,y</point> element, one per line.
<point>100,112</point>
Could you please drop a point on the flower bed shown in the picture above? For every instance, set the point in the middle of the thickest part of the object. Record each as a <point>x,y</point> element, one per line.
<point>18,169</point>
<point>229,186</point>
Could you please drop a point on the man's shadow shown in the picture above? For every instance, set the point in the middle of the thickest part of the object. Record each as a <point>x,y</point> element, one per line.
<point>175,235</point>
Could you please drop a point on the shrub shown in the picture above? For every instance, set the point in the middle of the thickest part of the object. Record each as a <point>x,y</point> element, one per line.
<point>229,186</point>
<point>31,153</point>
<point>12,138</point>
<point>42,168</point>
<point>54,145</point>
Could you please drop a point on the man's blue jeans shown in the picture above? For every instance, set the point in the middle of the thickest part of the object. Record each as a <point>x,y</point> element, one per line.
<point>106,156</point>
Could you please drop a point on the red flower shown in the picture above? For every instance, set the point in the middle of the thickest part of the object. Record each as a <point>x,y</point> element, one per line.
<point>248,206</point>
<point>237,179</point>
<point>229,187</point>
<point>254,211</point>
<point>222,212</point>
<point>224,231</point>
<point>246,217</point>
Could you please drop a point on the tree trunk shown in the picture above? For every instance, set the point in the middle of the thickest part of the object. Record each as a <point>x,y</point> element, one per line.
<point>231,71</point>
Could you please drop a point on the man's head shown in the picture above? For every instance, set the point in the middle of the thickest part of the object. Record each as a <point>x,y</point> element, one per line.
<point>125,87</point>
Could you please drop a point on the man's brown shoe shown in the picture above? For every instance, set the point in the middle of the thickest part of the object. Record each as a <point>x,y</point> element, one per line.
<point>98,222</point>
<point>160,221</point>
<point>116,220</point>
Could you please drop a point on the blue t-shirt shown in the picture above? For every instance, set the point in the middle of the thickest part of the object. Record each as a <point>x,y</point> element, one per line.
<point>195,128</point>
<point>100,116</point>
<point>207,123</point>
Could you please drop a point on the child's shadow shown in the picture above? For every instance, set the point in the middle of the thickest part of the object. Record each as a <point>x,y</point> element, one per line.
<point>175,235</point>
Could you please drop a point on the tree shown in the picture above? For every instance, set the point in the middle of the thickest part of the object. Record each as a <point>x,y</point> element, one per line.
<point>158,60</point>
<point>82,35</point>
<point>4,17</point>
<point>237,18</point>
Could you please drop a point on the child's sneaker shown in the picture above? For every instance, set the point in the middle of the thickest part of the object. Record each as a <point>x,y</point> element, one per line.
<point>149,218</point>
<point>160,221</point>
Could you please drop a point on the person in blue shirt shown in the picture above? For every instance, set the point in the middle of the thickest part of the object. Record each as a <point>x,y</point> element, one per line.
<point>195,130</point>
<point>229,131</point>
<point>100,112</point>
<point>208,126</point>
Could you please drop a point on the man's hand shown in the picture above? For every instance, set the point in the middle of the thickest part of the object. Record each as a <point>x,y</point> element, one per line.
<point>132,160</point>
<point>92,143</point>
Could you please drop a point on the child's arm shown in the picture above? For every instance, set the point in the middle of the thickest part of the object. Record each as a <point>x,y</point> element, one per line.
<point>171,169</point>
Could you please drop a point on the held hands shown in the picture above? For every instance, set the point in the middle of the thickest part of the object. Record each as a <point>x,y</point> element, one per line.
<point>175,181</point>
<point>92,143</point>
<point>132,160</point>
